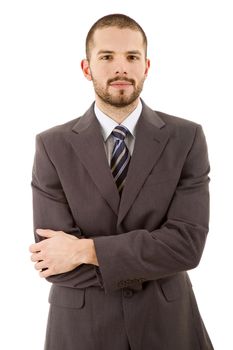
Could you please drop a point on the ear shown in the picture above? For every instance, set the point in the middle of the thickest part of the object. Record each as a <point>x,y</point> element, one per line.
<point>85,66</point>
<point>147,67</point>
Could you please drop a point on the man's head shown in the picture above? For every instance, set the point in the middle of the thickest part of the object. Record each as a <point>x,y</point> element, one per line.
<point>116,62</point>
<point>115,20</point>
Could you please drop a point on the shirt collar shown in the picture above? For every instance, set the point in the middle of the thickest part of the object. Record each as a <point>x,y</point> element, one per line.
<point>107,124</point>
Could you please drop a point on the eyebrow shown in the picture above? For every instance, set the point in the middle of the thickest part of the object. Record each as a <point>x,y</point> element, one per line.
<point>134,52</point>
<point>131,52</point>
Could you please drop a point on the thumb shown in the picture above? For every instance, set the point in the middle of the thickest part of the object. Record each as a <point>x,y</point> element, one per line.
<point>45,232</point>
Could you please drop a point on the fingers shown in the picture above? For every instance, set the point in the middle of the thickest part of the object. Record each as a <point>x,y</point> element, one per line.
<point>41,251</point>
<point>46,233</point>
<point>40,265</point>
<point>45,273</point>
<point>36,257</point>
<point>36,247</point>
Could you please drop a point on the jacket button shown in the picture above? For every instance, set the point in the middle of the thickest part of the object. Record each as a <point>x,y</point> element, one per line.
<point>127,292</point>
<point>121,284</point>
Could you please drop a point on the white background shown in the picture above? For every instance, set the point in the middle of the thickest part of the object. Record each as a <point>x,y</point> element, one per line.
<point>41,85</point>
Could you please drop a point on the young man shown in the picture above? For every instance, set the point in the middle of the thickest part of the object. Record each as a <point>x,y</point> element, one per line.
<point>121,210</point>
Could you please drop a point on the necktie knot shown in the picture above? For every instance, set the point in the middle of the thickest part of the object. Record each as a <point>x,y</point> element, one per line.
<point>120,132</point>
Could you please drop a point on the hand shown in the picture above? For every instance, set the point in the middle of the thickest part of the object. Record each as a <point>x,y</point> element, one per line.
<point>60,252</point>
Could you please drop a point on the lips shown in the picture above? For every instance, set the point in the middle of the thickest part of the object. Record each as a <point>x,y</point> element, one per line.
<point>120,84</point>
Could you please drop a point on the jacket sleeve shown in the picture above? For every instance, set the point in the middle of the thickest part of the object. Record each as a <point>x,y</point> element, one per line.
<point>51,211</point>
<point>139,255</point>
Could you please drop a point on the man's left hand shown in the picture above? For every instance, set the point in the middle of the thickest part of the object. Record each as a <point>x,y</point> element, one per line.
<point>61,252</point>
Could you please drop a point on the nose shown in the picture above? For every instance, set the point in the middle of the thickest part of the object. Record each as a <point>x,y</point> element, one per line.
<point>120,66</point>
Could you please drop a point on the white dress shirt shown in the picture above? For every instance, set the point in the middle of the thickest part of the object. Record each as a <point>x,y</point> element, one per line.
<point>107,125</point>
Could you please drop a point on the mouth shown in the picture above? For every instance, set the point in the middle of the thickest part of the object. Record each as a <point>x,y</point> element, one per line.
<point>120,84</point>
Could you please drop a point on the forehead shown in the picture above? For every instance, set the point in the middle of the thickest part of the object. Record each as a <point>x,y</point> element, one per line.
<point>117,39</point>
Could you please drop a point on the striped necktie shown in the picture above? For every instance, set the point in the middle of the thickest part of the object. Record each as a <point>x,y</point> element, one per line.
<point>120,157</point>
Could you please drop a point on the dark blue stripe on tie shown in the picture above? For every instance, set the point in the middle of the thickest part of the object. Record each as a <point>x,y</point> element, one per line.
<point>120,157</point>
<point>120,164</point>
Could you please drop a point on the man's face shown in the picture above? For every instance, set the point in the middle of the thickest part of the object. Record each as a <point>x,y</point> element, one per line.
<point>117,65</point>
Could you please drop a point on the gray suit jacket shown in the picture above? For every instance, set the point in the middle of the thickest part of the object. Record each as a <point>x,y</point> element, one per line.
<point>140,296</point>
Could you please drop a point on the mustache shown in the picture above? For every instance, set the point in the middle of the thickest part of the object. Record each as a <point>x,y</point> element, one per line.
<point>132,81</point>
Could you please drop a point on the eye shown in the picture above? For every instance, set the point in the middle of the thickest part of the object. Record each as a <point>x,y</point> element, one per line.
<point>106,57</point>
<point>133,58</point>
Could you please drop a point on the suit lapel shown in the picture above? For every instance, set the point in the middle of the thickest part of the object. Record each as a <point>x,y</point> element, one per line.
<point>151,139</point>
<point>87,142</point>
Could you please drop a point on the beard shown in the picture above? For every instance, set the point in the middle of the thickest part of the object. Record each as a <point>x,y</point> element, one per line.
<point>122,98</point>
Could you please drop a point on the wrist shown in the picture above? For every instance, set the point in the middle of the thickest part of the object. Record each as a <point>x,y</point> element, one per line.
<point>89,256</point>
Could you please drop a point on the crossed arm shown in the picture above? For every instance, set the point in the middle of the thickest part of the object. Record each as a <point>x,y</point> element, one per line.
<point>61,252</point>
<point>68,259</point>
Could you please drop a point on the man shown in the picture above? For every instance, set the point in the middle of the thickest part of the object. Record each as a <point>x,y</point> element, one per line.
<point>121,209</point>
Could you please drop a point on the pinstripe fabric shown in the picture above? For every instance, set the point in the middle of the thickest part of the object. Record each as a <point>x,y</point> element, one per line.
<point>120,157</point>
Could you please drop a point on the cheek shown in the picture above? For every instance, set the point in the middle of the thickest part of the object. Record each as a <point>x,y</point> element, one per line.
<point>140,76</point>
<point>100,75</point>
<point>139,71</point>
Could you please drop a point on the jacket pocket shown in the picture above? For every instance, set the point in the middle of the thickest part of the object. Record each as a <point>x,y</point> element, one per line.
<point>67,297</point>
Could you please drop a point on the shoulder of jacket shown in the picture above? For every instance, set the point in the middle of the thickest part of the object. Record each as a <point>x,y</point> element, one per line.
<point>58,130</point>
<point>177,121</point>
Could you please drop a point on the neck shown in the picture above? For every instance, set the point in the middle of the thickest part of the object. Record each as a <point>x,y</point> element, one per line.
<point>118,114</point>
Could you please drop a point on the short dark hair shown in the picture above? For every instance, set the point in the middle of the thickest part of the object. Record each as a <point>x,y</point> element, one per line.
<point>114,20</point>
